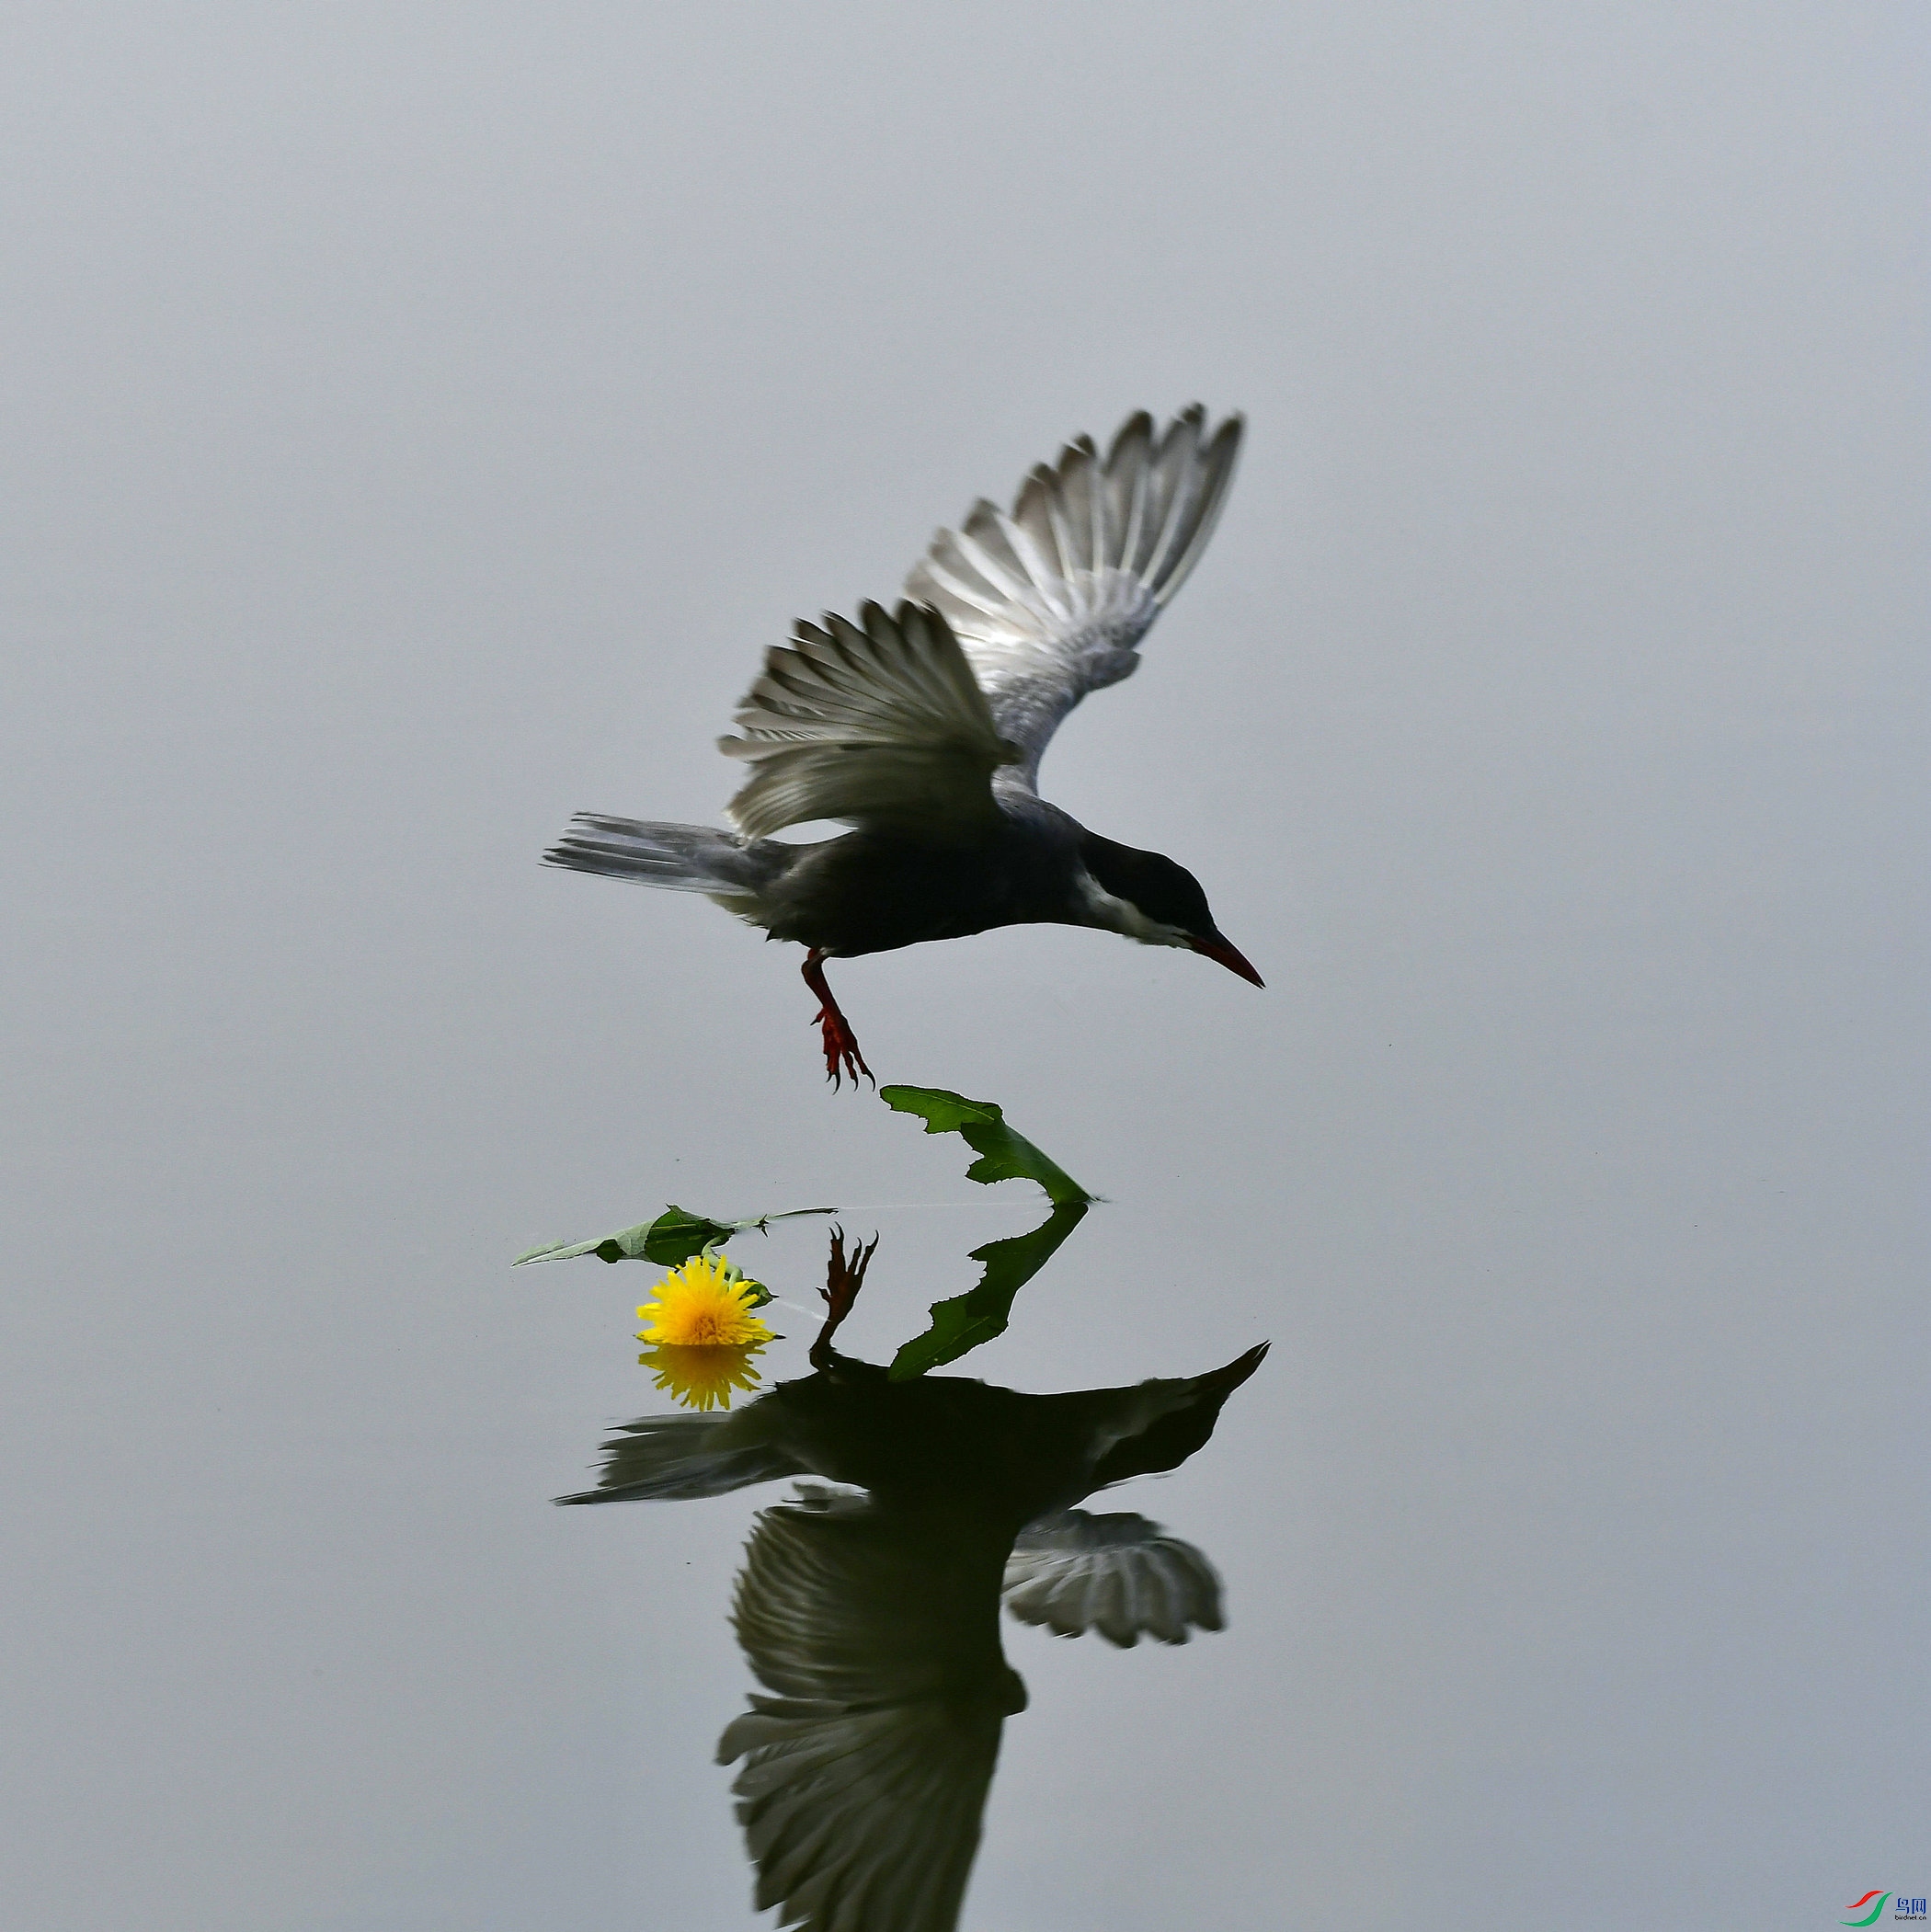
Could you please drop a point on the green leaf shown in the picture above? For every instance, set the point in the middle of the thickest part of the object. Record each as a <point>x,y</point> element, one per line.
<point>625,1246</point>
<point>980,1313</point>
<point>672,1238</point>
<point>676,1235</point>
<point>1003,1155</point>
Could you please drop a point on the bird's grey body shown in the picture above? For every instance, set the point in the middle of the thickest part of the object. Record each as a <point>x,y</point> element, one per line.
<point>872,890</point>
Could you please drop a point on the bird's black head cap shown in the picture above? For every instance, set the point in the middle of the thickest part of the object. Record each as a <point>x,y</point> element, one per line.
<point>1162,889</point>
<point>1150,898</point>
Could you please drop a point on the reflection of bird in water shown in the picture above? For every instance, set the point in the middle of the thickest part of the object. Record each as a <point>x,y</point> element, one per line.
<point>873,1618</point>
<point>923,730</point>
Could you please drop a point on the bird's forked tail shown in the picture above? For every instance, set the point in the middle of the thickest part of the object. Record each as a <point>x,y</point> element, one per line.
<point>684,858</point>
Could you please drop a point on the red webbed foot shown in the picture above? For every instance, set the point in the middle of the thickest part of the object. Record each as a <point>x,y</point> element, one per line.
<point>841,1054</point>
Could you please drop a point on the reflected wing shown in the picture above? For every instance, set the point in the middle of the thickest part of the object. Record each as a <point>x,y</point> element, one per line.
<point>1118,1574</point>
<point>1051,601</point>
<point>672,1459</point>
<point>881,725</point>
<point>866,1775</point>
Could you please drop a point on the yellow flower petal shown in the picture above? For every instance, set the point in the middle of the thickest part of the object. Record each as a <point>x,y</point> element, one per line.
<point>704,1304</point>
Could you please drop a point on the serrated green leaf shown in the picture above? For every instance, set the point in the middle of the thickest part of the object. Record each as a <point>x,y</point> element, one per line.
<point>963,1322</point>
<point>1004,1155</point>
<point>669,1241</point>
<point>677,1234</point>
<point>628,1245</point>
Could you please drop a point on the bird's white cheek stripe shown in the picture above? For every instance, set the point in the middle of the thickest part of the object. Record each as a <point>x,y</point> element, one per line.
<point>1124,917</point>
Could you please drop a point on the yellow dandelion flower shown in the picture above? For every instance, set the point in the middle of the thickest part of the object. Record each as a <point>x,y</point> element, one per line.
<point>703,1378</point>
<point>707,1303</point>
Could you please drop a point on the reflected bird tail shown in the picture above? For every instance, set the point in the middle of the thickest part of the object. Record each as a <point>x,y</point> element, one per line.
<point>675,1458</point>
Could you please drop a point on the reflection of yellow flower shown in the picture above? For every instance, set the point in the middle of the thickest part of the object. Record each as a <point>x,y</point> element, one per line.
<point>704,1304</point>
<point>703,1378</point>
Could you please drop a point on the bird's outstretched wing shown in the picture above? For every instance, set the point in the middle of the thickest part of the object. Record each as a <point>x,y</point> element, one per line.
<point>866,1775</point>
<point>1050,601</point>
<point>876,723</point>
<point>1118,1574</point>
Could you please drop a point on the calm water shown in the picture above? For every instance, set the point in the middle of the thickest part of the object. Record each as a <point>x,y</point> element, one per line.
<point>426,422</point>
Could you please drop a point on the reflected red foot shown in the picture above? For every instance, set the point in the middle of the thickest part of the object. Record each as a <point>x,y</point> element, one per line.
<point>841,1054</point>
<point>844,1277</point>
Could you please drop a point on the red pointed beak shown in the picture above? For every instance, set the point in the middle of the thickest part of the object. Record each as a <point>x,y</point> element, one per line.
<point>1230,956</point>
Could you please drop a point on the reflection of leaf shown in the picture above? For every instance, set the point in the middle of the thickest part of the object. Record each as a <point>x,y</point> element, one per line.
<point>979,1314</point>
<point>674,1237</point>
<point>1003,1155</point>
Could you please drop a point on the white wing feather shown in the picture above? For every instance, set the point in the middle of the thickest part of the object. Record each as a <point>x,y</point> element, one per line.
<point>1051,600</point>
<point>865,1777</point>
<point>883,724</point>
<point>1119,1574</point>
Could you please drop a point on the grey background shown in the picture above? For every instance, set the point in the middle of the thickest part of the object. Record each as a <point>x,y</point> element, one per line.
<point>419,418</point>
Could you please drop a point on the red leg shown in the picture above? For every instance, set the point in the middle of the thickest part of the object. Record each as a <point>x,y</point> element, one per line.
<point>840,1042</point>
